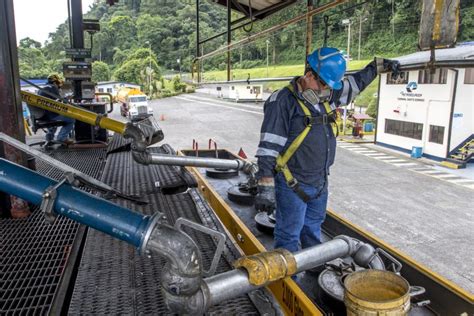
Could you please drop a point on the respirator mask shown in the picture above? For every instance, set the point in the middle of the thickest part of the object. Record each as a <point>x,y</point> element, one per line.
<point>317,96</point>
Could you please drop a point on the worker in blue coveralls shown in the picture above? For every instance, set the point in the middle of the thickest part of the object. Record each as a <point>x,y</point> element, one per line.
<point>298,144</point>
<point>51,91</point>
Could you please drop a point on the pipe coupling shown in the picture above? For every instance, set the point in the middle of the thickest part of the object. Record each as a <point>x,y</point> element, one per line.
<point>142,157</point>
<point>133,132</point>
<point>267,267</point>
<point>353,243</point>
<point>250,168</point>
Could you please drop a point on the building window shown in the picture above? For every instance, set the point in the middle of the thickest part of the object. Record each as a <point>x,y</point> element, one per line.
<point>401,79</point>
<point>405,129</point>
<point>101,89</point>
<point>438,77</point>
<point>109,90</point>
<point>469,76</point>
<point>436,134</point>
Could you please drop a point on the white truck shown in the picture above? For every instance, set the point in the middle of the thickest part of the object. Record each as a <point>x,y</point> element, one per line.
<point>134,104</point>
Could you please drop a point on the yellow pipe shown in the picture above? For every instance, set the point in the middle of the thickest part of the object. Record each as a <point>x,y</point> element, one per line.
<point>74,112</point>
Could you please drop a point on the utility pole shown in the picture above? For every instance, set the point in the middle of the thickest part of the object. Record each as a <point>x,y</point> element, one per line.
<point>229,37</point>
<point>309,30</point>
<point>268,42</point>
<point>179,66</point>
<point>393,19</point>
<point>349,41</point>
<point>149,66</point>
<point>348,22</point>
<point>360,34</point>
<point>198,43</point>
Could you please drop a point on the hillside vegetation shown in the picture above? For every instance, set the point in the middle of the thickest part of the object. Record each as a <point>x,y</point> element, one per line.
<point>137,34</point>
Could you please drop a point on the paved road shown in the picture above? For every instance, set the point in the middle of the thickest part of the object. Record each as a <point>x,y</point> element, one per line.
<point>400,200</point>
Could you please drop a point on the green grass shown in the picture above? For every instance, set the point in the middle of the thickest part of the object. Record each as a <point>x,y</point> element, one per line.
<point>286,71</point>
<point>364,98</point>
<point>273,71</point>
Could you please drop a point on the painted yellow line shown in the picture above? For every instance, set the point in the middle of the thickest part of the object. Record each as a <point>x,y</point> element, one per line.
<point>450,165</point>
<point>409,260</point>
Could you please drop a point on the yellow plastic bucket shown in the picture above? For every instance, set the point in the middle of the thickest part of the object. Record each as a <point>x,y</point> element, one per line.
<point>376,292</point>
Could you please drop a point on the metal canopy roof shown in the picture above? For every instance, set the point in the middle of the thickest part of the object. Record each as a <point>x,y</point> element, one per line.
<point>260,8</point>
<point>463,53</point>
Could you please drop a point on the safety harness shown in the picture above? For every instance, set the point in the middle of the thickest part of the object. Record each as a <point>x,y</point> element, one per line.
<point>282,159</point>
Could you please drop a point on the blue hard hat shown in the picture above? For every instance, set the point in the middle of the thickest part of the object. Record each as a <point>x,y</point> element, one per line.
<point>329,64</point>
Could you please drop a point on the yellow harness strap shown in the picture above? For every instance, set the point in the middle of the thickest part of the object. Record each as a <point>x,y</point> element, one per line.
<point>282,160</point>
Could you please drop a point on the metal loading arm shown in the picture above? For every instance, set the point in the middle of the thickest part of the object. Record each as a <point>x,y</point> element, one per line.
<point>74,112</point>
<point>185,289</point>
<point>142,135</point>
<point>140,138</point>
<point>148,158</point>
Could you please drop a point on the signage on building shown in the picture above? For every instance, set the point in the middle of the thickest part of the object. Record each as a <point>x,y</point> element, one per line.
<point>78,52</point>
<point>77,70</point>
<point>409,93</point>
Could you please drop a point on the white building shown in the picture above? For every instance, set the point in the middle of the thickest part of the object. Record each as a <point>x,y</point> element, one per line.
<point>113,86</point>
<point>434,111</point>
<point>245,92</point>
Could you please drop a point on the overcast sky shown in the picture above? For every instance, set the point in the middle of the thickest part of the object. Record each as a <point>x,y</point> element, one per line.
<point>36,19</point>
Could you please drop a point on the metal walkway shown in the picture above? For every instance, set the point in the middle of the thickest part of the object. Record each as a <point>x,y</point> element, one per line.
<point>36,257</point>
<point>112,277</point>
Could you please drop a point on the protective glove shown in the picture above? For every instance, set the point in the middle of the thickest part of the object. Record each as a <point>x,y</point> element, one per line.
<point>265,198</point>
<point>384,65</point>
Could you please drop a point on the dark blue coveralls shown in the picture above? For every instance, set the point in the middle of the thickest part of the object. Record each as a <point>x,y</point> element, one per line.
<point>51,116</point>
<point>297,221</point>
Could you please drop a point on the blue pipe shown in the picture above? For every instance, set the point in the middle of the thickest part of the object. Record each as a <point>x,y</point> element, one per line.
<point>75,204</point>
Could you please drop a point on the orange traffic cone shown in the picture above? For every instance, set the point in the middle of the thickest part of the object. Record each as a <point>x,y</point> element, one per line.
<point>242,154</point>
<point>162,117</point>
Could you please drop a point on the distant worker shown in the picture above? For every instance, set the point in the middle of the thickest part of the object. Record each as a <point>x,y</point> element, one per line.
<point>298,144</point>
<point>51,91</point>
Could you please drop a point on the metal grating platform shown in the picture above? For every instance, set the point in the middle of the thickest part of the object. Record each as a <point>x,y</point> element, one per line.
<point>112,277</point>
<point>35,254</point>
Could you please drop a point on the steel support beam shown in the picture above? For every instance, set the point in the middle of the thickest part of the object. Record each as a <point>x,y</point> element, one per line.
<point>229,37</point>
<point>198,43</point>
<point>11,119</point>
<point>224,33</point>
<point>77,37</point>
<point>255,18</point>
<point>275,28</point>
<point>309,31</point>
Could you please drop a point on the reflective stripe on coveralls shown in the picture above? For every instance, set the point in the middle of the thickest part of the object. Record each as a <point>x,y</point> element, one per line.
<point>282,160</point>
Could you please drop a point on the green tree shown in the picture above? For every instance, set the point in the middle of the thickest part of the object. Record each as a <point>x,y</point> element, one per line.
<point>100,71</point>
<point>372,108</point>
<point>28,42</point>
<point>135,71</point>
<point>123,31</point>
<point>120,56</point>
<point>168,27</point>
<point>178,86</point>
<point>466,31</point>
<point>33,63</point>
